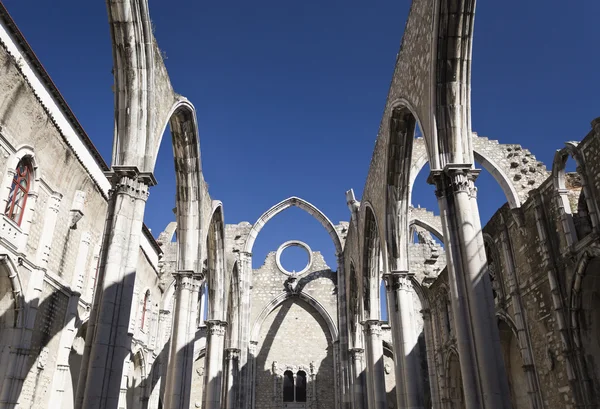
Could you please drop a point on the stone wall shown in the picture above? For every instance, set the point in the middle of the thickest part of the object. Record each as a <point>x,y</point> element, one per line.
<point>294,333</point>
<point>538,278</point>
<point>53,253</point>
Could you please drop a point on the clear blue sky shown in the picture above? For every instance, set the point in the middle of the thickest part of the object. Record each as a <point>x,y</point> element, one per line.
<point>290,94</point>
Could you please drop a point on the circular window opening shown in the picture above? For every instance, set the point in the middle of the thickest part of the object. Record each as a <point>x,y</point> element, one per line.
<point>294,257</point>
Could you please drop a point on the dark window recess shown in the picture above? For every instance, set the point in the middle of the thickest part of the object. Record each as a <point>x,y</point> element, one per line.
<point>288,386</point>
<point>301,386</point>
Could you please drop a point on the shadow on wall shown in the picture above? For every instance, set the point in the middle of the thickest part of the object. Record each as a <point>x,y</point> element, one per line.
<point>288,369</point>
<point>22,367</point>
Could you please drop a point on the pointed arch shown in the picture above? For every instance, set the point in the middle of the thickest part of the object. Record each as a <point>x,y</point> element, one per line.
<point>372,265</point>
<point>216,265</point>
<point>427,226</point>
<point>233,308</point>
<point>587,212</point>
<point>399,154</point>
<point>420,159</point>
<point>286,204</point>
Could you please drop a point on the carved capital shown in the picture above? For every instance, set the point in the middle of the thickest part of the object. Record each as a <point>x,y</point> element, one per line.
<point>397,280</point>
<point>188,280</point>
<point>372,327</point>
<point>131,187</point>
<point>232,354</point>
<point>356,353</point>
<point>216,327</point>
<point>130,181</point>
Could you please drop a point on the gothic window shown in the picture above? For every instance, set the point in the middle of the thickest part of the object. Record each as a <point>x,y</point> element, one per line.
<point>446,306</point>
<point>301,386</point>
<point>288,386</point>
<point>15,205</point>
<point>145,307</point>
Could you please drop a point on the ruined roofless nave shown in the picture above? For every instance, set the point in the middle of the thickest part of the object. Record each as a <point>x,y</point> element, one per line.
<point>96,313</point>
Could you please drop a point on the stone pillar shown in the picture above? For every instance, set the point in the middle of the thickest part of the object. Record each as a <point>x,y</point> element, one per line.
<point>251,396</point>
<point>431,364</point>
<point>215,345</point>
<point>343,359</point>
<point>358,377</point>
<point>246,355</point>
<point>108,342</point>
<point>409,386</point>
<point>375,372</point>
<point>484,376</point>
<point>179,371</point>
<point>233,356</point>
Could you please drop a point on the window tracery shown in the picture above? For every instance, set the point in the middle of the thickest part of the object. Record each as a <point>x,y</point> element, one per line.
<point>19,189</point>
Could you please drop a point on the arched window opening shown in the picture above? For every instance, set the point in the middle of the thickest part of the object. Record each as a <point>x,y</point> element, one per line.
<point>577,211</point>
<point>145,308</point>
<point>353,305</point>
<point>447,315</point>
<point>581,217</point>
<point>17,198</point>
<point>288,386</point>
<point>202,306</point>
<point>301,386</point>
<point>383,305</point>
<point>371,268</point>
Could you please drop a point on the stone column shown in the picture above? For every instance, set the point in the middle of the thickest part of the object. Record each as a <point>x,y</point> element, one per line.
<point>342,311</point>
<point>246,355</point>
<point>215,345</point>
<point>233,356</point>
<point>409,387</point>
<point>179,371</point>
<point>484,376</point>
<point>375,373</point>
<point>108,342</point>
<point>358,377</point>
<point>431,364</point>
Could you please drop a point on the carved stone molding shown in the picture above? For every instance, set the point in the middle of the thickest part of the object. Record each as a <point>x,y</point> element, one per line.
<point>372,327</point>
<point>232,354</point>
<point>356,353</point>
<point>455,178</point>
<point>217,327</point>
<point>395,281</point>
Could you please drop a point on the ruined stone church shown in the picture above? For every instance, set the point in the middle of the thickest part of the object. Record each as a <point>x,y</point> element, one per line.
<point>97,313</point>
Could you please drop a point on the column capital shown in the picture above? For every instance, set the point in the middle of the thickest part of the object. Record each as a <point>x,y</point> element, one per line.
<point>128,182</point>
<point>188,279</point>
<point>118,171</point>
<point>232,354</point>
<point>398,280</point>
<point>178,274</point>
<point>356,353</point>
<point>372,327</point>
<point>454,178</point>
<point>216,327</point>
<point>252,346</point>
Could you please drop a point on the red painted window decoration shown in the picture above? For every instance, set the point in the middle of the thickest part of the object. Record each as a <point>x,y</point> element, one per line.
<point>15,206</point>
<point>146,297</point>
